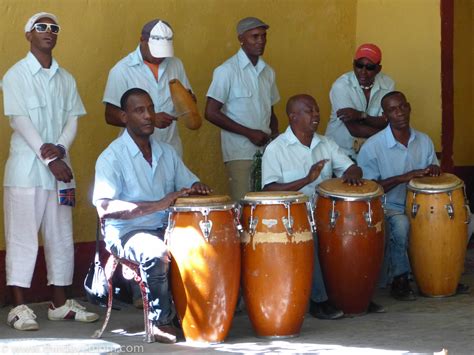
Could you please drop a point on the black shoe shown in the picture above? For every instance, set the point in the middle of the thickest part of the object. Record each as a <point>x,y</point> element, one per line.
<point>463,289</point>
<point>375,308</point>
<point>401,289</point>
<point>324,310</point>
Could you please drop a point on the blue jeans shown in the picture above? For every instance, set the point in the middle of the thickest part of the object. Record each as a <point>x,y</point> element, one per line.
<point>318,289</point>
<point>146,247</point>
<point>395,263</point>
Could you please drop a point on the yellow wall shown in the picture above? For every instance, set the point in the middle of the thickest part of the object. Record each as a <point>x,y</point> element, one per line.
<point>463,82</point>
<point>310,43</point>
<point>409,34</point>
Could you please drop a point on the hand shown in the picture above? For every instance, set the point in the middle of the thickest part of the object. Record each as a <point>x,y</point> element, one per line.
<point>349,114</point>
<point>316,169</point>
<point>353,176</point>
<point>434,170</point>
<point>192,95</point>
<point>51,151</point>
<point>201,189</point>
<point>163,120</point>
<point>170,198</point>
<point>415,174</point>
<point>60,170</point>
<point>259,138</point>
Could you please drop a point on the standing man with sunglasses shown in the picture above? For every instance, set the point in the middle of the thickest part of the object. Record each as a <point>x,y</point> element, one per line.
<point>150,67</point>
<point>355,96</point>
<point>240,101</point>
<point>43,105</point>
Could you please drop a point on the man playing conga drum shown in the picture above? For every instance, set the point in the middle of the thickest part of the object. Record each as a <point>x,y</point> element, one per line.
<point>393,157</point>
<point>300,159</point>
<point>136,180</point>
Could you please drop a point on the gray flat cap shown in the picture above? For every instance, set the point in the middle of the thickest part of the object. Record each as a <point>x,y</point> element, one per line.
<point>249,23</point>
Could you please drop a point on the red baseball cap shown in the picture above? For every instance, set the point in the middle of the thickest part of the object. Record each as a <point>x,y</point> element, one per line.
<point>369,51</point>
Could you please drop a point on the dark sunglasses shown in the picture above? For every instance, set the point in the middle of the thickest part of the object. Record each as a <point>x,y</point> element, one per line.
<point>369,67</point>
<point>43,27</point>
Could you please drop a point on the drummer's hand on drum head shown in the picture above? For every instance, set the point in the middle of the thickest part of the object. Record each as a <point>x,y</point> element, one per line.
<point>163,120</point>
<point>415,174</point>
<point>170,198</point>
<point>434,170</point>
<point>353,176</point>
<point>200,188</point>
<point>316,169</point>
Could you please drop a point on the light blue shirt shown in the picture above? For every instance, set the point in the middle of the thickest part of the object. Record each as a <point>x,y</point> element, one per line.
<point>382,157</point>
<point>122,173</point>
<point>286,159</point>
<point>49,97</point>
<point>247,93</point>
<point>132,72</point>
<point>347,93</point>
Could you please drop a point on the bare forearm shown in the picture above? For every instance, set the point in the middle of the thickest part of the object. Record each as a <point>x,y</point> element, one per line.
<point>117,209</point>
<point>357,129</point>
<point>290,186</point>
<point>376,122</point>
<point>113,115</point>
<point>274,125</point>
<point>391,182</point>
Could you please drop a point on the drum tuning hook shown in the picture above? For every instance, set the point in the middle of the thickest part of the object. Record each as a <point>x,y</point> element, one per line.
<point>368,215</point>
<point>205,225</point>
<point>253,221</point>
<point>449,207</point>
<point>237,213</point>
<point>312,222</point>
<point>333,215</point>
<point>288,221</point>
<point>414,206</point>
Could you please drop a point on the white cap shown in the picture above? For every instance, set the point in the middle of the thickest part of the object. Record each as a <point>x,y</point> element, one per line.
<point>32,20</point>
<point>160,40</point>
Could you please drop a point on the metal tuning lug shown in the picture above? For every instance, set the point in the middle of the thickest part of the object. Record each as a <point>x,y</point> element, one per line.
<point>288,221</point>
<point>169,229</point>
<point>252,221</point>
<point>311,220</point>
<point>449,206</point>
<point>237,212</point>
<point>414,206</point>
<point>368,215</point>
<point>333,215</point>
<point>206,224</point>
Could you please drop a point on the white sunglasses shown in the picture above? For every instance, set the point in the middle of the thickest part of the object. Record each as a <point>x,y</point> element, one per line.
<point>43,27</point>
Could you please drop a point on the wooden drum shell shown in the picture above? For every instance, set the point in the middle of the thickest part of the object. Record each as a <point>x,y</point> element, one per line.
<point>277,269</point>
<point>351,252</point>
<point>437,245</point>
<point>205,275</point>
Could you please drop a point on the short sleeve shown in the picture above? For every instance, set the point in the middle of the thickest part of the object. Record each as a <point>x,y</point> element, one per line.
<point>220,85</point>
<point>115,87</point>
<point>367,161</point>
<point>340,162</point>
<point>271,169</point>
<point>108,183</point>
<point>13,96</point>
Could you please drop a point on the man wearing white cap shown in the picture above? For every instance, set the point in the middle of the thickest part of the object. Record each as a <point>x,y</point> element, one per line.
<point>150,67</point>
<point>355,96</point>
<point>240,101</point>
<point>43,105</point>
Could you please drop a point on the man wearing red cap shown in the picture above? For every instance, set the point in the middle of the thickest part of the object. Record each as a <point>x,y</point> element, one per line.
<point>355,96</point>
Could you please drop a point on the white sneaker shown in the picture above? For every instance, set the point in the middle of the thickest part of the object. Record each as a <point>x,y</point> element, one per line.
<point>71,310</point>
<point>22,318</point>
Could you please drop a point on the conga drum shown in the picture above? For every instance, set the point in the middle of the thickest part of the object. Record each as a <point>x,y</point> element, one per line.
<point>350,225</point>
<point>277,261</point>
<point>438,213</point>
<point>204,243</point>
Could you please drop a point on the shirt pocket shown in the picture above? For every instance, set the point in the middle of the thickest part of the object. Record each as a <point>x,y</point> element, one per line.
<point>241,93</point>
<point>35,106</point>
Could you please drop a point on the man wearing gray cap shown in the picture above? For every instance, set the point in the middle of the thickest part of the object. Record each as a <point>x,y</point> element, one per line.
<point>240,101</point>
<point>42,103</point>
<point>150,67</point>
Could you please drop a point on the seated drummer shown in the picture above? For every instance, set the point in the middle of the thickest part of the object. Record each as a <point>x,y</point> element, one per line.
<point>299,160</point>
<point>136,180</point>
<point>393,157</point>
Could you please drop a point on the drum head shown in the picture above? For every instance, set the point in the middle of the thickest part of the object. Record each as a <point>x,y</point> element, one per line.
<point>444,182</point>
<point>338,188</point>
<point>274,197</point>
<point>195,203</point>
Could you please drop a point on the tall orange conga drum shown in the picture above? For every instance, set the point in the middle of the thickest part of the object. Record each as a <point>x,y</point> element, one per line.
<point>277,261</point>
<point>204,242</point>
<point>350,225</point>
<point>439,214</point>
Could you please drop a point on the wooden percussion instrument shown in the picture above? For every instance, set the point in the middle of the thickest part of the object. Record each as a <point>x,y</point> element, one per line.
<point>438,213</point>
<point>184,105</point>
<point>350,227</point>
<point>277,261</point>
<point>204,242</point>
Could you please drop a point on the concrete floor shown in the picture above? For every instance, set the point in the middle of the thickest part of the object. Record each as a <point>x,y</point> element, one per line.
<point>425,326</point>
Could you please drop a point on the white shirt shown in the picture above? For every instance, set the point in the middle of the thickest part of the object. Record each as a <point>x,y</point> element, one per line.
<point>347,93</point>
<point>48,98</point>
<point>122,173</point>
<point>286,159</point>
<point>132,72</point>
<point>247,93</point>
